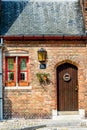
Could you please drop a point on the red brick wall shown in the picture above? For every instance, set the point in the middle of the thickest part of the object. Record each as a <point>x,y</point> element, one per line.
<point>38,102</point>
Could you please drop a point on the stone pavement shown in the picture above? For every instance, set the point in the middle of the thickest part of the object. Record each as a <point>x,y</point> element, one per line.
<point>18,124</point>
<point>66,124</point>
<point>43,124</point>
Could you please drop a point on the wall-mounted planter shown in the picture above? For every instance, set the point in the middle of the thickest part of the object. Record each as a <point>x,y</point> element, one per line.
<point>43,78</point>
<point>23,83</point>
<point>10,83</point>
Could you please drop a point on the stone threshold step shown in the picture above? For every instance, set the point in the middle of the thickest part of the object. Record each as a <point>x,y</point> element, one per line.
<point>67,117</point>
<point>68,113</point>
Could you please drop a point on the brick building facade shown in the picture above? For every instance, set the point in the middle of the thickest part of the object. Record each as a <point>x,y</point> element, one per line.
<point>38,100</point>
<point>64,41</point>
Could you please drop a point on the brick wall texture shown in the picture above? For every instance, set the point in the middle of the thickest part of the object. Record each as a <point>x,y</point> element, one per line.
<point>39,101</point>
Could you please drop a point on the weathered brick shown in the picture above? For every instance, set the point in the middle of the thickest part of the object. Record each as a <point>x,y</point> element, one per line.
<point>40,101</point>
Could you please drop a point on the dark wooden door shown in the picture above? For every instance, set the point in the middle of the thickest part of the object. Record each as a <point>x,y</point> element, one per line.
<point>67,87</point>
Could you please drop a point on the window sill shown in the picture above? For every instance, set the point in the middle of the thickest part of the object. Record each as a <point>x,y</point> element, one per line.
<point>18,87</point>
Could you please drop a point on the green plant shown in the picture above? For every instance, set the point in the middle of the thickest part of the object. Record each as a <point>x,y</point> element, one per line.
<point>43,78</point>
<point>11,76</point>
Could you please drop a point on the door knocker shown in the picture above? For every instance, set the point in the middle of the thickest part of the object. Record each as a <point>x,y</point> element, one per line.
<point>66,77</point>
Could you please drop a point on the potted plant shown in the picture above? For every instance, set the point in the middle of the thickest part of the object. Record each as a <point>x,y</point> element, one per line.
<point>10,83</point>
<point>23,83</point>
<point>43,78</point>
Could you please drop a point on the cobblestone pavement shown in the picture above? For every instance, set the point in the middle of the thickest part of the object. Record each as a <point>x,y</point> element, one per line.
<point>63,128</point>
<point>46,124</point>
<point>14,124</point>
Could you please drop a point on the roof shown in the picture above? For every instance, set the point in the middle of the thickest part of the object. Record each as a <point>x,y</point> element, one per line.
<point>37,17</point>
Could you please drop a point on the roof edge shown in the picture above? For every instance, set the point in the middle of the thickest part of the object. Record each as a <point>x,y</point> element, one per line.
<point>43,37</point>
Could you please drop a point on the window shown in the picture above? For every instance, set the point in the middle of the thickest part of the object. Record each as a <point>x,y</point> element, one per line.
<point>23,69</point>
<point>10,69</point>
<point>16,69</point>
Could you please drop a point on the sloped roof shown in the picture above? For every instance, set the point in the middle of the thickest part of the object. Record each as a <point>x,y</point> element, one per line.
<point>37,17</point>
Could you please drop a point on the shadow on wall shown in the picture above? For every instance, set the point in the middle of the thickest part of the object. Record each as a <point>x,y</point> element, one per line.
<point>7,109</point>
<point>15,105</point>
<point>86,114</point>
<point>10,11</point>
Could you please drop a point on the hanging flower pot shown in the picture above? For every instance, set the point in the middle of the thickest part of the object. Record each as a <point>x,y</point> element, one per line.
<point>43,78</point>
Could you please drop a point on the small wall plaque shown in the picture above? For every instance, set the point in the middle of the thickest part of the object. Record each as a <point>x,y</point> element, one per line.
<point>42,66</point>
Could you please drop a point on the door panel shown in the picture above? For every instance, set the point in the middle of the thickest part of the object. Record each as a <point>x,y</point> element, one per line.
<point>67,91</point>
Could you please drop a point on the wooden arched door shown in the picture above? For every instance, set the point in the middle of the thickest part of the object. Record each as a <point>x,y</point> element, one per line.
<point>67,87</point>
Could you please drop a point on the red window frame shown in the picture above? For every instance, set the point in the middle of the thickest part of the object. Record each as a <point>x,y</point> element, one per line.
<point>7,70</point>
<point>16,68</point>
<point>19,70</point>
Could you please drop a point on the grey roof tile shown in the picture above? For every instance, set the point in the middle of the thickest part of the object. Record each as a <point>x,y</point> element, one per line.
<point>41,18</point>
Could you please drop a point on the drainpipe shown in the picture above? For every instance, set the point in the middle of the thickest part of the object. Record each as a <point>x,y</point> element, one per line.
<point>1,89</point>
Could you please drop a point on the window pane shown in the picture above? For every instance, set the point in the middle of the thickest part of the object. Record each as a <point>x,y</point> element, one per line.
<point>23,76</point>
<point>10,76</point>
<point>10,64</point>
<point>23,64</point>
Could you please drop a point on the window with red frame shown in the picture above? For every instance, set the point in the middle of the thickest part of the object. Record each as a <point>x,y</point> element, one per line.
<point>23,71</point>
<point>16,68</point>
<point>10,69</point>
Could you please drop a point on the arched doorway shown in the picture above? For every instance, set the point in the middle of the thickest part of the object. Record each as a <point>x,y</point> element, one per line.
<point>67,87</point>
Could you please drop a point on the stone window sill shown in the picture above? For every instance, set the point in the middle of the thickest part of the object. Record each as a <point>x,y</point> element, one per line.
<point>18,87</point>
